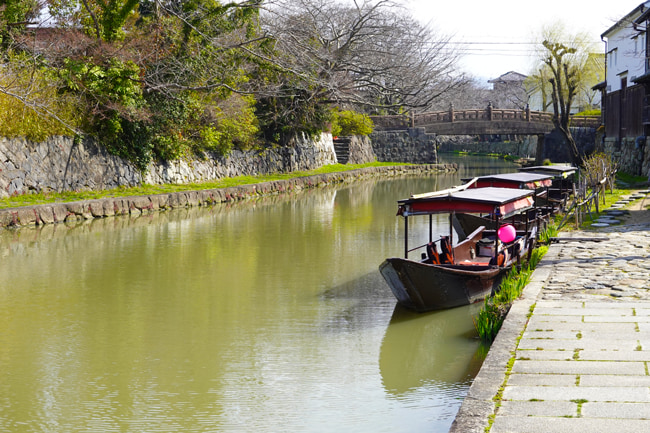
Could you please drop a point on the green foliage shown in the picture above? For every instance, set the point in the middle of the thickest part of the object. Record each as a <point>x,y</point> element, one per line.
<point>491,316</point>
<point>631,179</point>
<point>230,123</point>
<point>115,81</point>
<point>13,12</point>
<point>161,80</point>
<point>118,111</point>
<point>290,113</point>
<point>589,113</point>
<point>47,112</point>
<point>113,16</point>
<point>102,19</point>
<point>350,123</point>
<point>545,235</point>
<point>489,320</point>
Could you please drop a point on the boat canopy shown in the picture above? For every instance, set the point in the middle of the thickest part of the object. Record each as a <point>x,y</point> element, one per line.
<point>513,180</point>
<point>557,170</point>
<point>503,202</point>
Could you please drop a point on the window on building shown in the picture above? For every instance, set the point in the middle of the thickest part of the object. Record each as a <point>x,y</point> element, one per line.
<point>612,57</point>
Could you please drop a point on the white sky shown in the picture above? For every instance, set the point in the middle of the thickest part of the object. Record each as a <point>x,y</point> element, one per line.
<point>513,22</point>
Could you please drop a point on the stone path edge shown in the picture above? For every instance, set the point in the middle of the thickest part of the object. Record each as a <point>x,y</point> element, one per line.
<point>479,404</point>
<point>51,213</point>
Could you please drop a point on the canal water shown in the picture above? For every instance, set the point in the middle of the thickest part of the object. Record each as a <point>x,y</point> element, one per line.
<point>259,316</point>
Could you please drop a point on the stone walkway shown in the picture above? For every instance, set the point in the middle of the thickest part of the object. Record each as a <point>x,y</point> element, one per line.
<point>574,353</point>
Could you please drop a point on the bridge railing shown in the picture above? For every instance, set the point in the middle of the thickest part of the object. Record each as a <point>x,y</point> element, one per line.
<point>585,121</point>
<point>476,115</point>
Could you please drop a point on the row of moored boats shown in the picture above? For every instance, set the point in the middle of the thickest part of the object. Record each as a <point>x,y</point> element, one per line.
<point>494,224</point>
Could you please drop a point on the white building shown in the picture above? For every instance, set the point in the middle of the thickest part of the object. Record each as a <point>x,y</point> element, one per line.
<point>626,90</point>
<point>626,50</point>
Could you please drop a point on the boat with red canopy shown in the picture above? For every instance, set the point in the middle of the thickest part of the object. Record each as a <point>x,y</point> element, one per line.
<point>473,268</point>
<point>520,180</point>
<point>539,182</point>
<point>562,185</point>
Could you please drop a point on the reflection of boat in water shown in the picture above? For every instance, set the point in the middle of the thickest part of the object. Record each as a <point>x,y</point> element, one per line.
<point>437,349</point>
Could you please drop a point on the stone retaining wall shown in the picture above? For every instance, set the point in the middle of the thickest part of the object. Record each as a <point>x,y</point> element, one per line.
<point>361,150</point>
<point>60,164</point>
<point>88,209</point>
<point>413,145</point>
<point>556,149</point>
<point>632,155</point>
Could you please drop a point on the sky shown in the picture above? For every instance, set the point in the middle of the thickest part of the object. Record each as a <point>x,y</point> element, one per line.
<point>496,35</point>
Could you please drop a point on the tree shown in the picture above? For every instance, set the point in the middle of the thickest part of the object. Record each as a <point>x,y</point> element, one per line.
<point>364,53</point>
<point>565,65</point>
<point>15,15</point>
<point>538,86</point>
<point>564,87</point>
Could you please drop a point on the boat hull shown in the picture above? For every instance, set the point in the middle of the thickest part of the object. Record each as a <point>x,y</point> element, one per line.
<point>424,287</point>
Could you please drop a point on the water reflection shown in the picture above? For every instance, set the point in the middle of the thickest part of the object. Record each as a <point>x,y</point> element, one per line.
<point>438,348</point>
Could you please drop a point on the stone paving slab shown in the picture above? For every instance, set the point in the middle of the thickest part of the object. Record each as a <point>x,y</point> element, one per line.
<point>572,393</point>
<point>538,408</point>
<point>616,355</point>
<point>573,334</point>
<point>539,379</point>
<point>616,410</point>
<point>572,345</point>
<point>543,310</point>
<point>580,362</point>
<point>545,355</point>
<point>620,328</point>
<point>580,367</point>
<point>614,380</point>
<point>523,424</point>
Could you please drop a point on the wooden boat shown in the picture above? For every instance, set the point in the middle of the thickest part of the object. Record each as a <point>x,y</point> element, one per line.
<point>469,271</point>
<point>538,216</point>
<point>558,171</point>
<point>562,184</point>
<point>518,180</point>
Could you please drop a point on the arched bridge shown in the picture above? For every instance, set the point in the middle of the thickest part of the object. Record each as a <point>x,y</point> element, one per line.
<point>480,121</point>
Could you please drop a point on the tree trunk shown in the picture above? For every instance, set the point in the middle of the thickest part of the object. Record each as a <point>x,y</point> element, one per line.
<point>576,158</point>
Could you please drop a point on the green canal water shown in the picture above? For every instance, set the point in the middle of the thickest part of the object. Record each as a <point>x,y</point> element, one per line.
<point>258,316</point>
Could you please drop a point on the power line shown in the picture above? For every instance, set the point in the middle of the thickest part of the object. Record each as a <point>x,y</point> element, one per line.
<point>492,43</point>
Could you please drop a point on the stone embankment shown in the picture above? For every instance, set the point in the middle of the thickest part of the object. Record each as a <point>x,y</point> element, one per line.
<point>62,164</point>
<point>573,353</point>
<point>108,207</point>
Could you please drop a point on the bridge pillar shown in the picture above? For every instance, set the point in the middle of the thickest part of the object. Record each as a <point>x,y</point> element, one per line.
<point>539,154</point>
<point>489,110</point>
<point>451,112</point>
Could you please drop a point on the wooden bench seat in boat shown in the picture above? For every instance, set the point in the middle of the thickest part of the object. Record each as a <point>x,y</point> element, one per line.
<point>465,251</point>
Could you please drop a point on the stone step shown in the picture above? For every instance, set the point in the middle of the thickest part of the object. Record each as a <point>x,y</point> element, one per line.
<point>342,149</point>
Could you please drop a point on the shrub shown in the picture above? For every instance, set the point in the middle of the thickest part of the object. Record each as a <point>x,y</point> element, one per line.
<point>228,124</point>
<point>31,106</point>
<point>350,123</point>
<point>595,112</point>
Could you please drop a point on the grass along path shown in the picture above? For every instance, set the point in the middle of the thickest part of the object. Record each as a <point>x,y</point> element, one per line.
<point>70,196</point>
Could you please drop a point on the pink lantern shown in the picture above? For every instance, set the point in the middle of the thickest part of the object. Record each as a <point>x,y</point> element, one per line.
<point>507,233</point>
